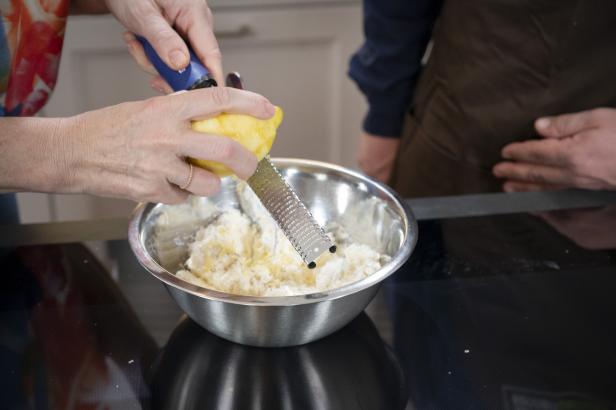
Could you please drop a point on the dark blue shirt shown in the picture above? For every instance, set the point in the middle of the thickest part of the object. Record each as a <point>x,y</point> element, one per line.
<point>9,213</point>
<point>387,65</point>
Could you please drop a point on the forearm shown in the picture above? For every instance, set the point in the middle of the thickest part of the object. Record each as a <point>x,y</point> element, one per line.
<point>35,155</point>
<point>89,7</point>
<point>387,65</point>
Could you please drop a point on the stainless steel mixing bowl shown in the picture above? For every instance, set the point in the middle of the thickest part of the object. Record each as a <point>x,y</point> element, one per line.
<point>369,211</point>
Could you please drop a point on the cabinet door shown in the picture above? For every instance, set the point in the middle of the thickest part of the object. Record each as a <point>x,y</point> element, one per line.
<point>297,57</point>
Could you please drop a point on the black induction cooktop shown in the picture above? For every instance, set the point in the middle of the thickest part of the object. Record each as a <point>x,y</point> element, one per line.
<point>497,308</point>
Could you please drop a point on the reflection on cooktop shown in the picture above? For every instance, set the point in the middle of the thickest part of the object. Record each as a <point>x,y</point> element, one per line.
<point>503,312</point>
<point>351,369</point>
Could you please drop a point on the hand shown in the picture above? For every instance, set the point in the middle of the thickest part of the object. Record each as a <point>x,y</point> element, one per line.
<point>377,155</point>
<point>138,150</point>
<point>577,151</point>
<point>163,23</point>
<point>589,229</point>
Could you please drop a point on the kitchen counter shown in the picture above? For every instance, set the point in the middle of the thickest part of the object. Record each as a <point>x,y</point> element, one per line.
<point>502,305</point>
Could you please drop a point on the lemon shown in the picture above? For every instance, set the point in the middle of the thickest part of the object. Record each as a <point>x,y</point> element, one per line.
<point>254,134</point>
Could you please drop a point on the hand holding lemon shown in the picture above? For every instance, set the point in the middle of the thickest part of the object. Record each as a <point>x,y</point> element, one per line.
<point>256,135</point>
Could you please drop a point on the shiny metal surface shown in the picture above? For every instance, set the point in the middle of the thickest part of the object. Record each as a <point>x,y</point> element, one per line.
<point>369,211</point>
<point>293,218</point>
<point>198,370</point>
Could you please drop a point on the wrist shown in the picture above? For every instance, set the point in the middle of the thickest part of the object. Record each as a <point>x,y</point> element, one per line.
<point>71,150</point>
<point>57,167</point>
<point>34,155</point>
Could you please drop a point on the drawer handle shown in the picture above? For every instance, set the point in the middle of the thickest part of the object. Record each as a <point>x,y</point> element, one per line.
<point>242,31</point>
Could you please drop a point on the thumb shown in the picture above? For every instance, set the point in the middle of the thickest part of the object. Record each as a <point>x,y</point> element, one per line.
<point>564,125</point>
<point>165,40</point>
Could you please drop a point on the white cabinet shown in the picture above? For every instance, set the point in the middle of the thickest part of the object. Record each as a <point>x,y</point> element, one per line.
<point>295,55</point>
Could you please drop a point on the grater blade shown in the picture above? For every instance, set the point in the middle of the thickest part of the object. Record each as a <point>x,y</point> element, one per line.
<point>291,215</point>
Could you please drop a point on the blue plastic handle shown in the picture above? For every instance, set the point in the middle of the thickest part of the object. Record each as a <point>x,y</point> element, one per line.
<point>193,76</point>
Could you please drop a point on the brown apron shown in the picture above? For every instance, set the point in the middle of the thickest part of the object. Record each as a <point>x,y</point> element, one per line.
<point>496,66</point>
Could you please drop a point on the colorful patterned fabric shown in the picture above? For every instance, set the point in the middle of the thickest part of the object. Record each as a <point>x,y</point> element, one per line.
<point>31,36</point>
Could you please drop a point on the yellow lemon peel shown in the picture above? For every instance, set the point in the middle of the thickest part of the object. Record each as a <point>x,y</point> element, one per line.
<point>254,134</point>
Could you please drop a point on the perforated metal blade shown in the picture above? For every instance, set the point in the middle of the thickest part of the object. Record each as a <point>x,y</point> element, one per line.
<point>291,215</point>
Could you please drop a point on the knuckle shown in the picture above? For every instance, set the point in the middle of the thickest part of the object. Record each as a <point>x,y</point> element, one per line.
<point>215,53</point>
<point>564,124</point>
<point>224,150</point>
<point>198,9</point>
<point>139,8</point>
<point>164,35</point>
<point>221,96</point>
<point>252,164</point>
<point>561,127</point>
<point>599,115</point>
<point>262,103</point>
<point>534,175</point>
<point>156,105</point>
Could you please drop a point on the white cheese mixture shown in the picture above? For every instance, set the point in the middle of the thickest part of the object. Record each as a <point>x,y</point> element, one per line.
<point>245,253</point>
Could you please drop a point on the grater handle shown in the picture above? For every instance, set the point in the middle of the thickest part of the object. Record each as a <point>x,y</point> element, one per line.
<point>195,75</point>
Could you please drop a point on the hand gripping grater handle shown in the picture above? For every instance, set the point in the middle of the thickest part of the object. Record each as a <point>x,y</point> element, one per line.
<point>291,215</point>
<point>195,75</point>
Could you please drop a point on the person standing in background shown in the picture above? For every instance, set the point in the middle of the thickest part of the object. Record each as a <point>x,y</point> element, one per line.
<point>495,68</point>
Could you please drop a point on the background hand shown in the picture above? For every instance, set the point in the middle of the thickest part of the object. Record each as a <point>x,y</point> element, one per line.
<point>164,23</point>
<point>377,155</point>
<point>577,151</point>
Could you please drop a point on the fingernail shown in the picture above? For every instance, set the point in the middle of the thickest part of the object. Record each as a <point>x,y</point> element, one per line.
<point>543,123</point>
<point>508,188</point>
<point>497,171</point>
<point>178,58</point>
<point>506,154</point>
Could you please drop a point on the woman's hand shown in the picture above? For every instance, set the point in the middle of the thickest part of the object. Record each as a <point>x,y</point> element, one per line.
<point>135,150</point>
<point>163,23</point>
<point>138,150</point>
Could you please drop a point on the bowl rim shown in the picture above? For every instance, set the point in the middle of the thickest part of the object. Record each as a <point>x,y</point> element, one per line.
<point>170,279</point>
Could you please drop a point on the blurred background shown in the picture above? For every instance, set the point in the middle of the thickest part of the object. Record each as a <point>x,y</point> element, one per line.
<point>295,52</point>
